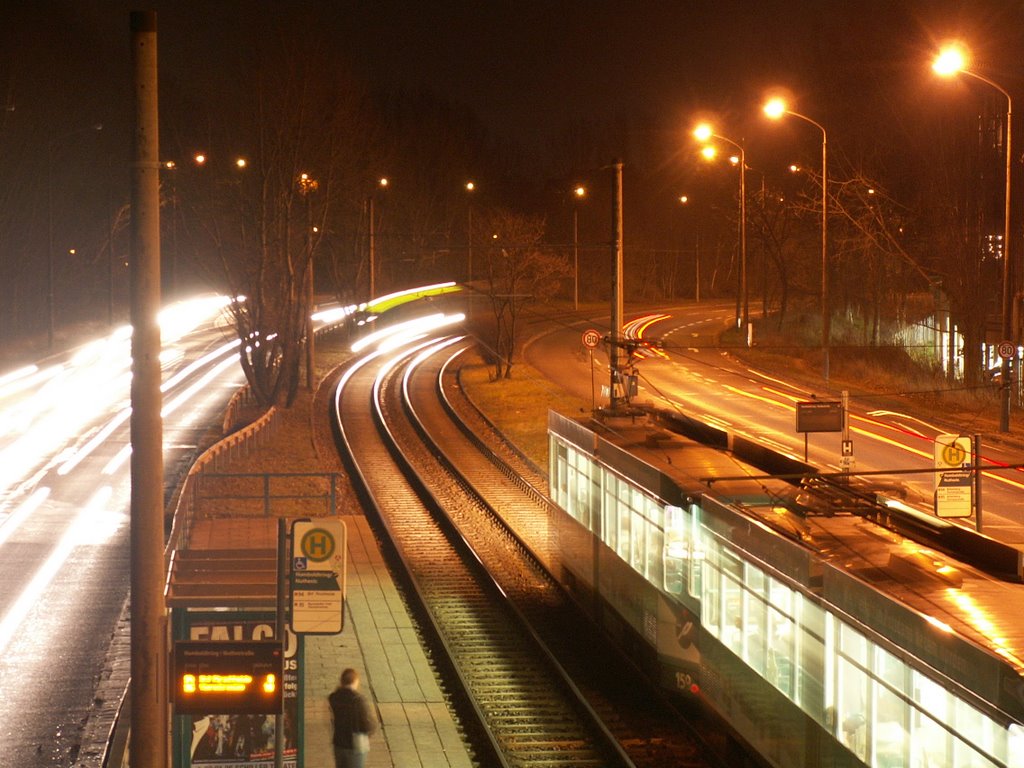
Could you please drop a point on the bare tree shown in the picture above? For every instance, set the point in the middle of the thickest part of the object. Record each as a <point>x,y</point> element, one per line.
<point>518,272</point>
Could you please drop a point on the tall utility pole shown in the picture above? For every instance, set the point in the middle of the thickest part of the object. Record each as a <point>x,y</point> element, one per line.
<point>149,707</point>
<point>615,337</point>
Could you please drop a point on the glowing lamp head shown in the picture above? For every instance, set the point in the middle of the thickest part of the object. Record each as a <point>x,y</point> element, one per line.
<point>708,152</point>
<point>383,181</point>
<point>950,60</point>
<point>580,191</point>
<point>702,132</point>
<point>684,199</point>
<point>775,108</point>
<point>470,186</point>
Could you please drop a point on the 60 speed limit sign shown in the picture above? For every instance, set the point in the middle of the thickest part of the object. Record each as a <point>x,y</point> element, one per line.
<point>591,338</point>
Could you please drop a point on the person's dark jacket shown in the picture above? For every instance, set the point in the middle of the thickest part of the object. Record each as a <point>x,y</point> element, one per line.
<point>351,715</point>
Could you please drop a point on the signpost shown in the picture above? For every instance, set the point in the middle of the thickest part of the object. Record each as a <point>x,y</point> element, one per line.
<point>591,338</point>
<point>820,416</point>
<point>953,479</point>
<point>318,576</point>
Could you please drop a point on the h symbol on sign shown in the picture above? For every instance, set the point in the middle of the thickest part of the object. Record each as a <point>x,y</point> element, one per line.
<point>317,545</point>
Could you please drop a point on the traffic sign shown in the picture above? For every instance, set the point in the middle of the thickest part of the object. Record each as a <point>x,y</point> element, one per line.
<point>591,338</point>
<point>1007,350</point>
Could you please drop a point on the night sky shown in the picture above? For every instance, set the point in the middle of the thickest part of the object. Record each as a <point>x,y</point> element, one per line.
<point>524,67</point>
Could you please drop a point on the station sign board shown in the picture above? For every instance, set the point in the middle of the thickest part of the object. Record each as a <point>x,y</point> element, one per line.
<point>954,488</point>
<point>319,550</point>
<point>819,416</point>
<point>233,678</point>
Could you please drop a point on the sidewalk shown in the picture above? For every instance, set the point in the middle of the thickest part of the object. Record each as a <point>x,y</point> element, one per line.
<point>380,641</point>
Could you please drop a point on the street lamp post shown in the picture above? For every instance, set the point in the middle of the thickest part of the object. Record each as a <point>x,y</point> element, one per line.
<point>951,61</point>
<point>775,109</point>
<point>703,132</point>
<point>50,304</point>
<point>684,200</point>
<point>307,186</point>
<point>372,236</point>
<point>470,188</point>
<point>578,194</point>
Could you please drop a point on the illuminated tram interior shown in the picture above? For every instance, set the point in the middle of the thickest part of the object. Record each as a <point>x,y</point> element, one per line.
<point>773,650</point>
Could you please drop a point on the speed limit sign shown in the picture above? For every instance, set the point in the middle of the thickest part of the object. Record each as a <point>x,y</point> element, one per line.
<point>591,338</point>
<point>1006,349</point>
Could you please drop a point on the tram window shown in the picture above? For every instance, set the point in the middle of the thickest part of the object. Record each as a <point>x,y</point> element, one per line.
<point>1015,746</point>
<point>890,734</point>
<point>732,614</point>
<point>711,598</point>
<point>892,670</point>
<point>676,549</point>
<point>638,529</point>
<point>926,725</point>
<point>980,734</point>
<point>754,615</point>
<point>611,506</point>
<point>780,669</point>
<point>929,736</point>
<point>810,655</point>
<point>625,516</point>
<point>853,644</point>
<point>852,706</point>
<point>655,546</point>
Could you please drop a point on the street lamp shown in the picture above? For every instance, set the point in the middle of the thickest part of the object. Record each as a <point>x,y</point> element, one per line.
<point>704,132</point>
<point>50,305</point>
<point>307,186</point>
<point>950,61</point>
<point>382,183</point>
<point>577,194</point>
<point>684,200</point>
<point>775,109</point>
<point>470,188</point>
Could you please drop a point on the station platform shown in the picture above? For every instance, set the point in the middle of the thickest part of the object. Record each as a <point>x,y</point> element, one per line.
<point>379,640</point>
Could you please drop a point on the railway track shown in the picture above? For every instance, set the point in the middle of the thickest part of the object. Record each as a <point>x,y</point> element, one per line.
<point>542,689</point>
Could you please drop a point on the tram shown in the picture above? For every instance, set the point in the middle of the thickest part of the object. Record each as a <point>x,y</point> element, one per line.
<point>819,636</point>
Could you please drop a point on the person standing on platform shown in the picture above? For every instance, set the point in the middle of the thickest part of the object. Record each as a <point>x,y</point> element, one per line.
<point>353,722</point>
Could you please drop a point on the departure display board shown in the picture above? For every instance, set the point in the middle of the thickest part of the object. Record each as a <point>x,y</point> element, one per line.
<point>243,678</point>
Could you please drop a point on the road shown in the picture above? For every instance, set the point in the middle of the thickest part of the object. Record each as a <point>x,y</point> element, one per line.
<point>64,511</point>
<point>693,374</point>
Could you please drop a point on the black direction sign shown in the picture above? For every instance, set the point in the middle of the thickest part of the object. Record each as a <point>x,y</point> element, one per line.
<point>819,416</point>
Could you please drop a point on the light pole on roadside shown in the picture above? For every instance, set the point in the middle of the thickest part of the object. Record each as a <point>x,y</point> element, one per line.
<point>704,132</point>
<point>382,183</point>
<point>470,187</point>
<point>952,60</point>
<point>578,193</point>
<point>307,186</point>
<point>50,304</point>
<point>775,109</point>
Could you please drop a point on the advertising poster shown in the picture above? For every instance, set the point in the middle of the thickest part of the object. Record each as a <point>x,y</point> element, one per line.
<point>218,740</point>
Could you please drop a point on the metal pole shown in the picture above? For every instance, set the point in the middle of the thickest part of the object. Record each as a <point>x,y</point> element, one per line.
<point>149,699</point>
<point>310,336</point>
<point>745,319</point>
<point>826,318</point>
<point>1007,313</point>
<point>469,246</point>
<point>575,258</point>
<point>977,482</point>
<point>49,249</point>
<point>280,629</point>
<point>615,337</point>
<point>373,263</point>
